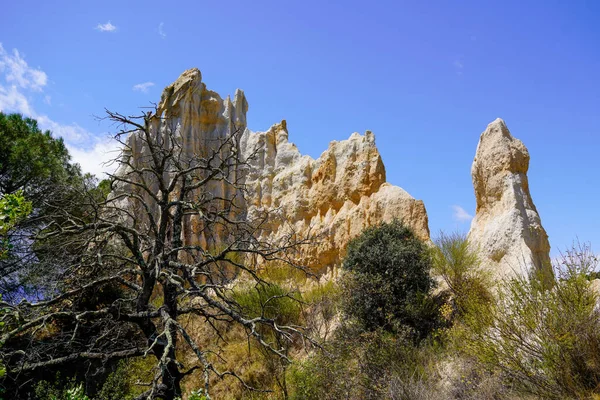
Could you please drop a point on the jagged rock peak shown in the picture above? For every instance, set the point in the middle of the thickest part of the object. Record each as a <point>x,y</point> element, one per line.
<point>507,228</point>
<point>332,199</point>
<point>206,105</point>
<point>336,196</point>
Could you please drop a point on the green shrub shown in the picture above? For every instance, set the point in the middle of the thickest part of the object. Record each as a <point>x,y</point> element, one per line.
<point>387,281</point>
<point>359,365</point>
<point>270,301</point>
<point>546,341</point>
<point>458,264</point>
<point>117,385</point>
<point>197,395</point>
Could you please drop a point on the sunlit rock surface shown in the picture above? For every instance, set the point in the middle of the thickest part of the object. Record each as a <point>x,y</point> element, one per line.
<point>507,228</point>
<point>330,199</point>
<point>335,196</point>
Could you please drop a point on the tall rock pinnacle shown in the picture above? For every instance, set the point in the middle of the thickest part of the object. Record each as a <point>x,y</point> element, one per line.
<point>507,228</point>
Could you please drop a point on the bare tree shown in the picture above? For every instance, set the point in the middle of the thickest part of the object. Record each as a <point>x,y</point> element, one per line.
<point>172,239</point>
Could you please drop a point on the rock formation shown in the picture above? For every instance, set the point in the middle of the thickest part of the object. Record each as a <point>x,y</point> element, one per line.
<point>199,119</point>
<point>336,196</point>
<point>507,228</point>
<point>332,198</point>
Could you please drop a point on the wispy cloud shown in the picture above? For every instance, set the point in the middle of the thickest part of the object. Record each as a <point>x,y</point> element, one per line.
<point>107,27</point>
<point>161,30</point>
<point>460,214</point>
<point>18,81</point>
<point>458,66</point>
<point>143,87</point>
<point>18,73</point>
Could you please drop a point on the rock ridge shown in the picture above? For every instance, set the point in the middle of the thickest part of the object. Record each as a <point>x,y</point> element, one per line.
<point>333,197</point>
<point>337,195</point>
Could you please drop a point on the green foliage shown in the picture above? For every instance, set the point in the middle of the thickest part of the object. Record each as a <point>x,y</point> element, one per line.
<point>546,341</point>
<point>385,296</point>
<point>197,395</point>
<point>121,383</point>
<point>117,385</point>
<point>358,365</point>
<point>387,281</point>
<point>48,391</point>
<point>458,264</point>
<point>13,208</point>
<point>36,166</point>
<point>76,393</point>
<point>29,158</point>
<point>270,301</point>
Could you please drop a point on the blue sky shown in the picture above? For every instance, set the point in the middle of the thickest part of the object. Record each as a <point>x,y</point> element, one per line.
<point>425,77</point>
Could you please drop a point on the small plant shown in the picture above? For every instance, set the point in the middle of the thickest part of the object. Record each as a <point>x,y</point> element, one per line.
<point>47,390</point>
<point>76,393</point>
<point>13,208</point>
<point>197,395</point>
<point>458,264</point>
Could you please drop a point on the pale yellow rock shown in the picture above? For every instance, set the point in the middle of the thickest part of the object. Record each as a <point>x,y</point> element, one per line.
<point>507,228</point>
<point>335,196</point>
<point>330,199</point>
<point>595,286</point>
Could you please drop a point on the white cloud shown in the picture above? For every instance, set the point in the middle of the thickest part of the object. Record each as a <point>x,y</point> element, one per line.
<point>17,72</point>
<point>107,27</point>
<point>161,30</point>
<point>72,133</point>
<point>13,100</point>
<point>143,87</point>
<point>460,214</point>
<point>98,159</point>
<point>48,100</point>
<point>17,81</point>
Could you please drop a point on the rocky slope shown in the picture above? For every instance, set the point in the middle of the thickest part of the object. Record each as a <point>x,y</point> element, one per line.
<point>331,199</point>
<point>507,228</point>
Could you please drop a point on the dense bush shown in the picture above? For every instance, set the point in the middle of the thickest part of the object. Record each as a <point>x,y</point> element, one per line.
<point>546,341</point>
<point>387,311</point>
<point>387,281</point>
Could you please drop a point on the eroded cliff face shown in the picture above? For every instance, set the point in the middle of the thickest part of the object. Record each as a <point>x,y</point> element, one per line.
<point>330,199</point>
<point>194,122</point>
<point>335,196</point>
<point>507,228</point>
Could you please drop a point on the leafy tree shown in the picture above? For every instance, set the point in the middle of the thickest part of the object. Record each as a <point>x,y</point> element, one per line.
<point>31,160</point>
<point>131,276</point>
<point>387,283</point>
<point>36,166</point>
